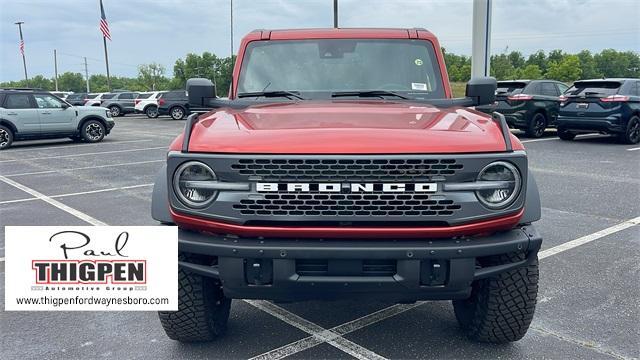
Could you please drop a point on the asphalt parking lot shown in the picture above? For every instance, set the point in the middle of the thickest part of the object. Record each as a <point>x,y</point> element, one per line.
<point>588,303</point>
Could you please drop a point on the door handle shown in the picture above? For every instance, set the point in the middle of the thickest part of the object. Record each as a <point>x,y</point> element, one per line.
<point>45,113</point>
<point>12,113</point>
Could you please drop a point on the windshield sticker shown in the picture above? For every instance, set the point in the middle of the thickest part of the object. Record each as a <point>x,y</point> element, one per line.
<point>418,62</point>
<point>418,86</point>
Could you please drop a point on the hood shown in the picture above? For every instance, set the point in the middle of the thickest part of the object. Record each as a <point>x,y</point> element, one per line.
<point>346,127</point>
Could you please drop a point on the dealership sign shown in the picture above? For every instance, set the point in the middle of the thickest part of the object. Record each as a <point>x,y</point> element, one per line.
<point>91,268</point>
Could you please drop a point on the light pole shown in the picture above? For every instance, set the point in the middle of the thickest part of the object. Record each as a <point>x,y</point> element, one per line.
<point>24,60</point>
<point>335,14</point>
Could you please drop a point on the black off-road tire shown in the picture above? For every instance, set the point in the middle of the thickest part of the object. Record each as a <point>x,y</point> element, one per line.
<point>632,133</point>
<point>92,131</point>
<point>536,126</point>
<point>6,137</point>
<point>203,311</point>
<point>500,308</point>
<point>565,134</point>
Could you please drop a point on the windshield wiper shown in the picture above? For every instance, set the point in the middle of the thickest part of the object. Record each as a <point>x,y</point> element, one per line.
<point>274,93</point>
<point>369,93</point>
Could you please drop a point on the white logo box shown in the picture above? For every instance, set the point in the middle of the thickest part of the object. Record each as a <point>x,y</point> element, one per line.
<point>91,268</point>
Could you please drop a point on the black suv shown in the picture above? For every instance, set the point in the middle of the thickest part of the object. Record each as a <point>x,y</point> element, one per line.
<point>174,103</point>
<point>610,106</point>
<point>528,105</point>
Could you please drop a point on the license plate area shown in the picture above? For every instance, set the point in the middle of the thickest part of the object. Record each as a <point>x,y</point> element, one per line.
<point>582,105</point>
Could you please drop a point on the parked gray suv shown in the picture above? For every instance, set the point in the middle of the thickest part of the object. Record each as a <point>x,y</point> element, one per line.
<point>120,103</point>
<point>37,114</point>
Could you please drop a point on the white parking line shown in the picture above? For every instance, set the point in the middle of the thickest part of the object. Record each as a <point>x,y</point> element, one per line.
<point>77,193</point>
<point>588,238</point>
<point>77,213</point>
<point>633,149</point>
<point>344,329</point>
<point>309,342</point>
<point>84,154</point>
<point>555,138</point>
<point>85,168</point>
<point>315,330</point>
<point>62,145</point>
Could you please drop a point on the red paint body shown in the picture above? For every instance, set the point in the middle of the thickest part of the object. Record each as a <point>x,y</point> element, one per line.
<point>345,127</point>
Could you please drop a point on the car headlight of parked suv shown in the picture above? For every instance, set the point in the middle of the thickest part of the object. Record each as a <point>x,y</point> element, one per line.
<point>503,196</point>
<point>190,183</point>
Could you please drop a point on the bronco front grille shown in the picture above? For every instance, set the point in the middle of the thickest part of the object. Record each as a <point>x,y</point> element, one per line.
<point>379,170</point>
<point>336,205</point>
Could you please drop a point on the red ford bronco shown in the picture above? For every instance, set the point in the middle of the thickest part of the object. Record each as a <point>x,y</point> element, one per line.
<point>341,166</point>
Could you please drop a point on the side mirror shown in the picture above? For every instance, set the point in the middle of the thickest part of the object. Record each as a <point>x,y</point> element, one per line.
<point>482,90</point>
<point>65,105</point>
<point>200,91</point>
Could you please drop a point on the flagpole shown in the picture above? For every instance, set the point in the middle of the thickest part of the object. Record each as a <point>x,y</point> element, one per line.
<point>24,60</point>
<point>106,60</point>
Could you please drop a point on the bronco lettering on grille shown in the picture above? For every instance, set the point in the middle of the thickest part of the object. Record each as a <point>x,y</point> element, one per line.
<point>348,187</point>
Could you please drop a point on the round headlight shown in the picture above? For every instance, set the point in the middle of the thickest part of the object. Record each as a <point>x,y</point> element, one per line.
<point>188,184</point>
<point>503,196</point>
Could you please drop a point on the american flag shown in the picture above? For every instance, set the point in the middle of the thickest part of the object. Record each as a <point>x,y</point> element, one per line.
<point>104,25</point>
<point>22,47</point>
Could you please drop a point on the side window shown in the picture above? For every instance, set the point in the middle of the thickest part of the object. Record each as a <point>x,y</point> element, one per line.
<point>126,96</point>
<point>532,89</point>
<point>548,89</point>
<point>18,101</point>
<point>45,101</point>
<point>562,88</point>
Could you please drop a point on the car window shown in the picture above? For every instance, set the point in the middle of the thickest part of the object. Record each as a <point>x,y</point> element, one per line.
<point>532,89</point>
<point>562,88</point>
<point>125,96</point>
<point>594,88</point>
<point>159,95</point>
<point>174,95</point>
<point>46,101</point>
<point>144,95</point>
<point>548,89</point>
<point>637,88</point>
<point>510,87</point>
<point>18,101</point>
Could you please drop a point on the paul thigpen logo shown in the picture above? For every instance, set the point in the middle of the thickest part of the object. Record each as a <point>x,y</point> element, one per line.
<point>104,266</point>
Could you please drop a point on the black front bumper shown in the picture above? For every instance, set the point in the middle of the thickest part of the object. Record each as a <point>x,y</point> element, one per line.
<point>403,270</point>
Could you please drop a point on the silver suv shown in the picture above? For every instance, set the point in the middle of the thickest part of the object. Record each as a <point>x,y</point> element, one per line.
<point>120,103</point>
<point>37,114</point>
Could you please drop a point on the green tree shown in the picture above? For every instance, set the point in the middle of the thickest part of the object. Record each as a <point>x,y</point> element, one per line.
<point>567,70</point>
<point>516,59</point>
<point>612,63</point>
<point>588,65</point>
<point>538,58</point>
<point>70,81</point>
<point>501,67</point>
<point>207,65</point>
<point>555,56</point>
<point>151,76</point>
<point>531,71</point>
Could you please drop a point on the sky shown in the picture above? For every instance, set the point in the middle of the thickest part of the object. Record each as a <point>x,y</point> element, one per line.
<point>161,31</point>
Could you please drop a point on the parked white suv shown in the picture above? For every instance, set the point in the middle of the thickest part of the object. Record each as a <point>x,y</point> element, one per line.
<point>147,103</point>
<point>96,99</point>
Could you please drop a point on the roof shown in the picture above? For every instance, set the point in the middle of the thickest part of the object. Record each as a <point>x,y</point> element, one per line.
<point>344,33</point>
<point>609,79</point>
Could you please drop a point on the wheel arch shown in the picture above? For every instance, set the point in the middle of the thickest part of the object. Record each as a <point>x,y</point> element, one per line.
<point>91,117</point>
<point>10,125</point>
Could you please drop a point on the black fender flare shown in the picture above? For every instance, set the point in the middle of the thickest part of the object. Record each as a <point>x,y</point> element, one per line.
<point>91,117</point>
<point>532,207</point>
<point>10,125</point>
<point>160,198</point>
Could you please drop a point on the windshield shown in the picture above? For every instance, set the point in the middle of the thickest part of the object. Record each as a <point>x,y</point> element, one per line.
<point>320,67</point>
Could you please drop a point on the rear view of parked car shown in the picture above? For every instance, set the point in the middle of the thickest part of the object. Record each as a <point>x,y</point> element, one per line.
<point>147,103</point>
<point>96,99</point>
<point>528,105</point>
<point>608,106</point>
<point>120,103</point>
<point>174,104</point>
<point>77,99</point>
